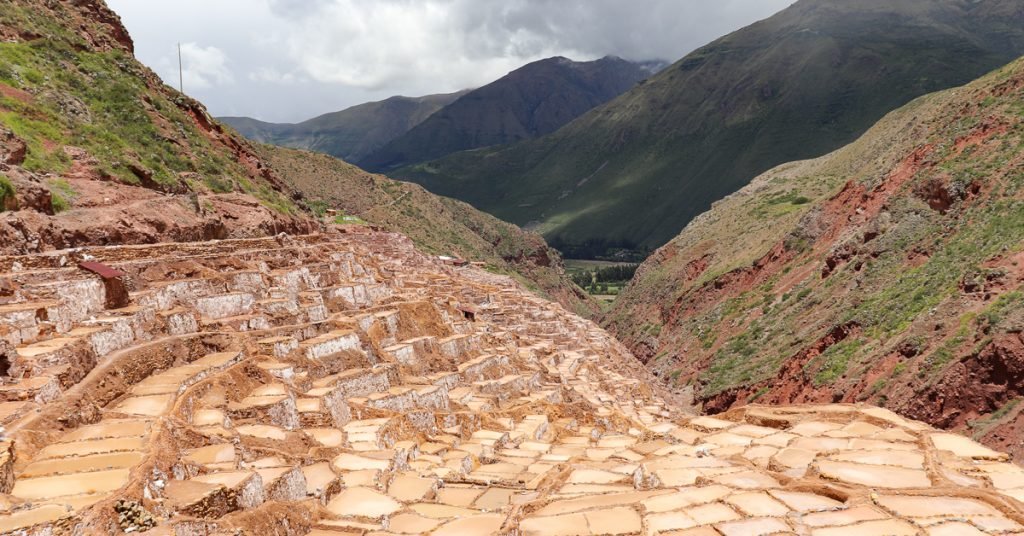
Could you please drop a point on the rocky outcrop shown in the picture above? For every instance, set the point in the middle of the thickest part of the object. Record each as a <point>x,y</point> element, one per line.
<point>97,12</point>
<point>141,217</point>
<point>12,148</point>
<point>91,20</point>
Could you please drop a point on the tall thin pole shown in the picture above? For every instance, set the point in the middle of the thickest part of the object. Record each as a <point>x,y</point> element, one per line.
<point>181,77</point>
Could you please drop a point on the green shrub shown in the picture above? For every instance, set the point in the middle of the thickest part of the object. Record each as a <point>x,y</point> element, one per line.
<point>760,392</point>
<point>318,207</point>
<point>219,184</point>
<point>61,194</point>
<point>6,191</point>
<point>58,202</point>
<point>995,313</point>
<point>834,361</point>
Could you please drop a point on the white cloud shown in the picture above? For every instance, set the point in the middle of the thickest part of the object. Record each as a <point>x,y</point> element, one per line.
<point>273,76</point>
<point>299,58</point>
<point>205,67</point>
<point>395,43</point>
<point>459,43</point>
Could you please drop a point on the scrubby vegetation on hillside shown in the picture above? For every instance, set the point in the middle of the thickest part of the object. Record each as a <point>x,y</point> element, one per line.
<point>890,271</point>
<point>436,224</point>
<point>63,93</point>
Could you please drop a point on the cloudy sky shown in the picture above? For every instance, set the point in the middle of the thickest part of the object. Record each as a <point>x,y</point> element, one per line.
<point>288,60</point>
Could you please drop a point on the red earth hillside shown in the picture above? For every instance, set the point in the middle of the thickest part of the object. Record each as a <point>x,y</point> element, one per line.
<point>887,272</point>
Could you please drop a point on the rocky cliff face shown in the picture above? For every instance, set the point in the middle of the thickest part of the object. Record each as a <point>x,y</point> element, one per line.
<point>888,271</point>
<point>91,21</point>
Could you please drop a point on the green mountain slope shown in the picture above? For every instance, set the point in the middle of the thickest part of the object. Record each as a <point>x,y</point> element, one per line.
<point>436,224</point>
<point>633,172</point>
<point>890,271</point>
<point>350,134</point>
<point>531,101</point>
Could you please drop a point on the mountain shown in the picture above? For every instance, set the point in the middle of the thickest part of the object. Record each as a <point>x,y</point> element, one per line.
<point>436,224</point>
<point>531,101</point>
<point>96,150</point>
<point>889,272</point>
<point>350,134</point>
<point>633,172</point>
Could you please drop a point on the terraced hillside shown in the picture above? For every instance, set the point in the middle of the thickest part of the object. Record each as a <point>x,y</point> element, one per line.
<point>633,172</point>
<point>95,149</point>
<point>887,272</point>
<point>344,383</point>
